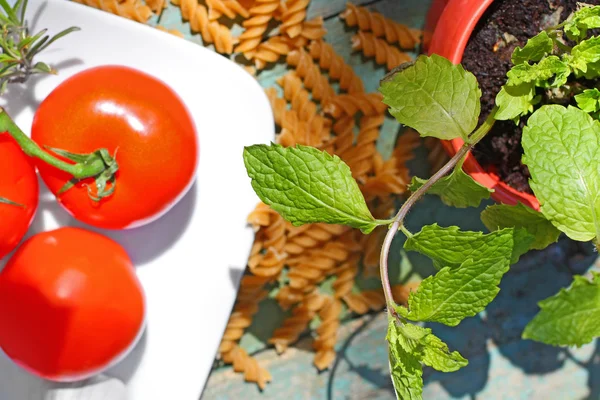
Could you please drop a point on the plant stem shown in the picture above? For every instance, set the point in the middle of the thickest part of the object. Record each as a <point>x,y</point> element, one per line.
<point>398,223</point>
<point>32,149</point>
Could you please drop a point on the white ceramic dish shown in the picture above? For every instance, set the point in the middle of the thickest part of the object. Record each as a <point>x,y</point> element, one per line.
<point>190,260</point>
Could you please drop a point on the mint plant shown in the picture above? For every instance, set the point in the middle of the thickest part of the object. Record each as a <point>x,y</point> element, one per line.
<point>561,148</point>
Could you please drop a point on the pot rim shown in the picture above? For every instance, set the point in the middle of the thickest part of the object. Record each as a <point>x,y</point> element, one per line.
<point>450,37</point>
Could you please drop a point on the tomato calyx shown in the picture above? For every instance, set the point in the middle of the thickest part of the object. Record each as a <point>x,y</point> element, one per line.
<point>105,181</point>
<point>4,200</point>
<point>98,165</point>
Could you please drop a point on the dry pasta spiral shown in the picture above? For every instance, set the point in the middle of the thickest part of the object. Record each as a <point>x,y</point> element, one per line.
<point>350,104</point>
<point>211,31</point>
<point>310,236</point>
<point>271,50</point>
<point>242,362</point>
<point>175,32</point>
<point>363,302</point>
<point>327,333</point>
<point>338,70</point>
<point>292,327</point>
<point>293,16</point>
<point>311,75</point>
<point>229,8</point>
<point>131,9</point>
<point>255,27</point>
<point>380,26</point>
<point>156,5</point>
<point>384,53</point>
<point>345,275</point>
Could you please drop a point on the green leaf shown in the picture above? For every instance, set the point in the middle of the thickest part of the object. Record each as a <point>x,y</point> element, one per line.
<point>437,355</point>
<point>515,101</point>
<point>306,185</point>
<point>457,189</point>
<point>540,73</point>
<point>520,216</point>
<point>534,50</point>
<point>453,294</point>
<point>589,100</point>
<point>4,200</point>
<point>450,247</point>
<point>577,25</point>
<point>562,151</point>
<point>587,52</point>
<point>434,97</point>
<point>569,318</point>
<point>405,368</point>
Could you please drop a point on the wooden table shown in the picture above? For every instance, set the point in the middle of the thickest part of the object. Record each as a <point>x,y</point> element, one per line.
<point>501,365</point>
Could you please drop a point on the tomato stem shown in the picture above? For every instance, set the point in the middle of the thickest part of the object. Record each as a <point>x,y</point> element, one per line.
<point>99,165</point>
<point>4,200</point>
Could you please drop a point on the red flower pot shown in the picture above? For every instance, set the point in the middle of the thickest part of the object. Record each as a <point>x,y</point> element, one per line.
<point>453,27</point>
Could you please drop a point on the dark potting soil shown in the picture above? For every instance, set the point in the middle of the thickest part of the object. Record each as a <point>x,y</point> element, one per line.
<point>506,25</point>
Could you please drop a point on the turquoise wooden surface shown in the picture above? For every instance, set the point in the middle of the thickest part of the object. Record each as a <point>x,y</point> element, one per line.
<point>501,365</point>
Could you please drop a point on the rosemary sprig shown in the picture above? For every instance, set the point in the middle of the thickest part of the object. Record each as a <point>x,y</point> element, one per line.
<point>18,48</point>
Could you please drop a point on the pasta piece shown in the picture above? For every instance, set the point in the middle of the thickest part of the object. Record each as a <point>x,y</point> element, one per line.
<point>292,327</point>
<point>242,362</point>
<point>393,32</point>
<point>229,8</point>
<point>271,50</point>
<point>175,32</point>
<point>327,333</point>
<point>255,26</point>
<point>131,9</point>
<point>362,303</point>
<point>345,275</point>
<point>338,70</point>
<point>313,29</point>
<point>378,48</point>
<point>311,75</point>
<point>401,292</point>
<point>371,252</point>
<point>211,31</point>
<point>300,100</point>
<point>156,5</point>
<point>294,130</point>
<point>310,236</point>
<point>369,104</point>
<point>293,16</point>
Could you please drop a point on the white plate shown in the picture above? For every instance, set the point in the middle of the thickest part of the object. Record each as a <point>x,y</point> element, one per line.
<point>191,259</point>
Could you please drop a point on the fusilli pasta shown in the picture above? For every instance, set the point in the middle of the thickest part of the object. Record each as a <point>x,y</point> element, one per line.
<point>242,362</point>
<point>327,333</point>
<point>393,32</point>
<point>229,8</point>
<point>175,32</point>
<point>384,53</point>
<point>368,104</point>
<point>293,16</point>
<point>131,9</point>
<point>311,75</point>
<point>156,5</point>
<point>255,26</point>
<point>338,70</point>
<point>211,31</point>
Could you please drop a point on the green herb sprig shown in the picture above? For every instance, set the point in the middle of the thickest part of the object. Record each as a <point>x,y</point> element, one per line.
<point>18,48</point>
<point>436,98</point>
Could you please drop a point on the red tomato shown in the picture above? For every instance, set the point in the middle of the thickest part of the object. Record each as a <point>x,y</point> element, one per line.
<point>18,183</point>
<point>133,115</point>
<point>70,304</point>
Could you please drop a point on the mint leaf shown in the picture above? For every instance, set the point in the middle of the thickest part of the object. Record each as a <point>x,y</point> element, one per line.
<point>589,100</point>
<point>437,355</point>
<point>534,50</point>
<point>562,151</point>
<point>577,25</point>
<point>405,368</point>
<point>569,318</point>
<point>306,185</point>
<point>522,243</point>
<point>515,101</point>
<point>540,73</point>
<point>586,52</point>
<point>457,189</point>
<point>434,97</point>
<point>450,247</point>
<point>409,336</point>
<point>520,216</point>
<point>453,294</point>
